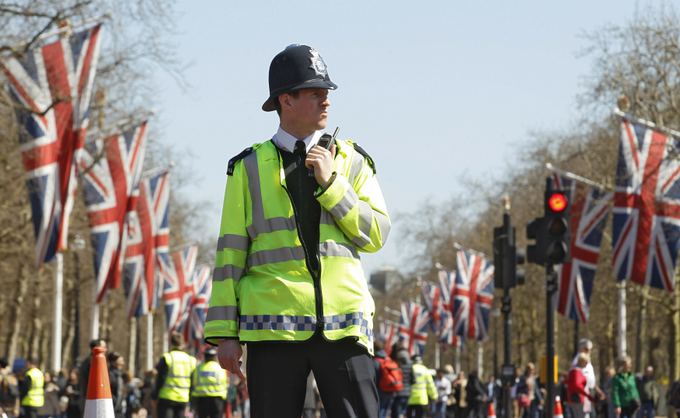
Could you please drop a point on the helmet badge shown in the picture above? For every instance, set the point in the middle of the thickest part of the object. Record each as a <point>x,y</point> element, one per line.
<point>317,63</point>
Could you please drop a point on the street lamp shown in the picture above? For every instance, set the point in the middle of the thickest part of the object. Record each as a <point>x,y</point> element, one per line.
<point>78,245</point>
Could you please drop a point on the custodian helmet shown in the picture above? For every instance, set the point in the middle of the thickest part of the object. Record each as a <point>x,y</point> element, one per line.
<point>296,67</point>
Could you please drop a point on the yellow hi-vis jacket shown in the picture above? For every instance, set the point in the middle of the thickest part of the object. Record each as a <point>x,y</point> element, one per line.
<point>178,380</point>
<point>423,388</point>
<point>209,380</point>
<point>262,289</point>
<point>36,393</point>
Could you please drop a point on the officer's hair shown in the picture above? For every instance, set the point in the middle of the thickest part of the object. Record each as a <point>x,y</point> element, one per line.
<point>176,339</point>
<point>277,104</point>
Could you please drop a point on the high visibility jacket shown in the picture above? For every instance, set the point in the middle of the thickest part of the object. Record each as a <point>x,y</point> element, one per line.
<point>210,380</point>
<point>36,393</point>
<point>262,287</point>
<point>178,381</point>
<point>423,388</point>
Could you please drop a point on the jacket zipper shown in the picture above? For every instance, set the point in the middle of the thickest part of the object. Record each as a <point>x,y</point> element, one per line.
<point>318,298</point>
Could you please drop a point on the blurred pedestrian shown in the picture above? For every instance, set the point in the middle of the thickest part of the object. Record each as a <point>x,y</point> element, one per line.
<point>173,382</point>
<point>209,387</point>
<point>9,390</point>
<point>31,389</point>
<point>116,364</point>
<point>649,394</point>
<point>577,390</point>
<point>400,401</point>
<point>443,386</point>
<point>585,346</point>
<point>625,396</point>
<point>476,396</point>
<point>84,369</point>
<point>72,393</point>
<point>460,392</point>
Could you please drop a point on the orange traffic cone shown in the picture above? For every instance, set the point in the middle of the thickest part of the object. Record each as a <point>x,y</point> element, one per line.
<point>99,403</point>
<point>557,413</point>
<point>491,411</point>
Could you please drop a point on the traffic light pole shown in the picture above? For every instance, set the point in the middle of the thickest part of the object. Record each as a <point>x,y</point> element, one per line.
<point>508,368</point>
<point>551,289</point>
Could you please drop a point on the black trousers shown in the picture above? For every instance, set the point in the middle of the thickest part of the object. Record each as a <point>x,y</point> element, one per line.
<point>209,407</point>
<point>277,377</point>
<point>28,412</point>
<point>170,409</point>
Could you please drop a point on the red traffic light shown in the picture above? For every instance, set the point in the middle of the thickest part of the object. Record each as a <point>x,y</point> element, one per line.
<point>557,202</point>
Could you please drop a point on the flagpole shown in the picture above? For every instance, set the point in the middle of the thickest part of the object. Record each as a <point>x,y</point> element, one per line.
<point>621,331</point>
<point>95,321</point>
<point>645,122</point>
<point>456,356</point>
<point>480,360</point>
<point>436,355</point>
<point>58,302</point>
<point>149,341</point>
<point>572,176</point>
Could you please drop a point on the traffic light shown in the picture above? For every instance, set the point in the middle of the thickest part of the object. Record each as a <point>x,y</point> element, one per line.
<point>557,207</point>
<point>550,232</point>
<point>506,257</point>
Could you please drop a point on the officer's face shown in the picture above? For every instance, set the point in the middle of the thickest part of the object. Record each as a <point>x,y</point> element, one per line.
<point>310,108</point>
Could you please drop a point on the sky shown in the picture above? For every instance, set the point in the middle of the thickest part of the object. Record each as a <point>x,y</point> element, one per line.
<point>434,91</point>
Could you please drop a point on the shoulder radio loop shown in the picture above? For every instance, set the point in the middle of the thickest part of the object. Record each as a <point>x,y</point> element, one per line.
<point>363,152</point>
<point>243,154</point>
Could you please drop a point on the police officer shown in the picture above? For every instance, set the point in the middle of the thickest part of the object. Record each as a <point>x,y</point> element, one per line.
<point>423,390</point>
<point>209,387</point>
<point>173,383</point>
<point>298,209</point>
<point>32,390</point>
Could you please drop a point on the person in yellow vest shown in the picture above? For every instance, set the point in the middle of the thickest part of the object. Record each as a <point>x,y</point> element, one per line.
<point>32,389</point>
<point>423,390</point>
<point>209,387</point>
<point>173,382</point>
<point>288,281</point>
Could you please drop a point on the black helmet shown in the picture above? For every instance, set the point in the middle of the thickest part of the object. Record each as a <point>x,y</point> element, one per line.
<point>296,67</point>
<point>210,352</point>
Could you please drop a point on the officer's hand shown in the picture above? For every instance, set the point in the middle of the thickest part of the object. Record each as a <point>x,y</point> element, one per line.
<point>321,160</point>
<point>229,354</point>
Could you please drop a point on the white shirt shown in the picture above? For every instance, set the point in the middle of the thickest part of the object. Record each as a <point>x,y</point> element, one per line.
<point>443,388</point>
<point>286,141</point>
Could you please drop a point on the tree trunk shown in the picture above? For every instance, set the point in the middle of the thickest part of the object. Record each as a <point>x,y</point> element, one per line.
<point>641,328</point>
<point>16,314</point>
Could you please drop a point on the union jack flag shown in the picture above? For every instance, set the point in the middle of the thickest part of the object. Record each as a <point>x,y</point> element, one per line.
<point>178,289</point>
<point>447,283</point>
<point>148,234</point>
<point>52,86</point>
<point>646,206</point>
<point>432,296</point>
<point>473,295</point>
<point>448,336</point>
<point>199,306</point>
<point>387,335</point>
<point>413,327</point>
<point>588,216</point>
<point>111,169</point>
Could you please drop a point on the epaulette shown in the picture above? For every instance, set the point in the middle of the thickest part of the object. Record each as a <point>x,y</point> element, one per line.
<point>366,156</point>
<point>243,154</point>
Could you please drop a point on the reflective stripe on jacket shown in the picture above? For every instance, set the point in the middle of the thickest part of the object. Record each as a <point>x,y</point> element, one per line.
<point>36,393</point>
<point>210,380</point>
<point>178,381</point>
<point>262,288</point>
<point>423,388</point>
